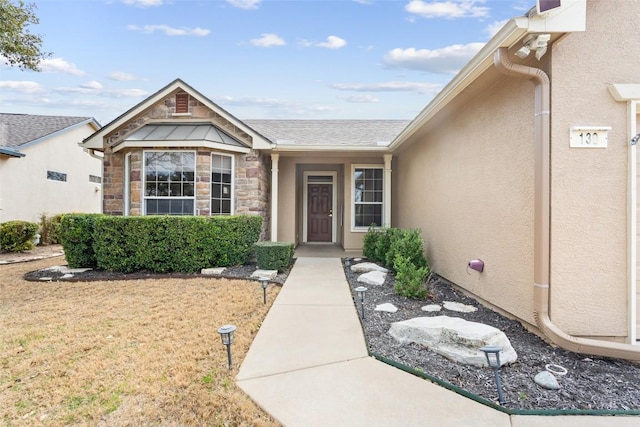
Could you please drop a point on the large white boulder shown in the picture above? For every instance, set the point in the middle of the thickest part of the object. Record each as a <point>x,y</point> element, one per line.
<point>454,338</point>
<point>375,278</point>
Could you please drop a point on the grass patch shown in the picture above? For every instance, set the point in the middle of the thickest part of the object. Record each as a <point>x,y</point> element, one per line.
<point>138,352</point>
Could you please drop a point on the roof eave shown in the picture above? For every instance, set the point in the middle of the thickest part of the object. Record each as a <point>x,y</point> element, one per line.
<point>330,148</point>
<point>89,121</point>
<point>11,153</point>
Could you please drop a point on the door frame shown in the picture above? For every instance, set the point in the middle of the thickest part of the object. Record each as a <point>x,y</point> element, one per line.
<point>305,202</point>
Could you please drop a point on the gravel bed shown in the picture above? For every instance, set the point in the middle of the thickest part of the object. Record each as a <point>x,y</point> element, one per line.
<point>592,383</point>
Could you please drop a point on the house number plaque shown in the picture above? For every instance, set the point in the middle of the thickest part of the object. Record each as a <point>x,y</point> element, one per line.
<point>589,136</point>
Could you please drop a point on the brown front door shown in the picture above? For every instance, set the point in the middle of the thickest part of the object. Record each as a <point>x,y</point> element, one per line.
<point>320,213</point>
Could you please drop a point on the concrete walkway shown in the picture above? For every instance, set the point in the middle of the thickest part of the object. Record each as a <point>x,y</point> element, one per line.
<point>309,366</point>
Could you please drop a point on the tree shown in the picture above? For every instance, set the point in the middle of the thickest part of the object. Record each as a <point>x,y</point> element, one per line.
<point>18,46</point>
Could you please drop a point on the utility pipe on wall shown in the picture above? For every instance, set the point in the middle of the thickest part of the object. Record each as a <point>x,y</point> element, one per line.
<point>542,239</point>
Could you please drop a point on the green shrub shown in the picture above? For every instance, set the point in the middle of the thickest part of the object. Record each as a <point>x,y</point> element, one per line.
<point>76,237</point>
<point>167,244</point>
<point>407,243</point>
<point>17,236</point>
<point>410,278</point>
<point>274,255</point>
<point>50,229</point>
<point>370,243</point>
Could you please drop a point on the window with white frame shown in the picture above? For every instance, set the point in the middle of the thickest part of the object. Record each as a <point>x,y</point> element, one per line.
<point>221,184</point>
<point>169,182</point>
<point>368,193</point>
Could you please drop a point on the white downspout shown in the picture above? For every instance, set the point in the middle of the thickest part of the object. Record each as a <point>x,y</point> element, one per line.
<point>633,218</point>
<point>127,186</point>
<point>542,229</point>
<point>274,196</point>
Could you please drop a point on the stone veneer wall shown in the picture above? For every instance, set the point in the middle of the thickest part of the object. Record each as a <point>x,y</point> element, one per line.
<point>251,169</point>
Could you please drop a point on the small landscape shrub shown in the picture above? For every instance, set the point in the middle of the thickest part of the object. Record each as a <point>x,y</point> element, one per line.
<point>50,229</point>
<point>17,236</point>
<point>274,255</point>
<point>370,243</point>
<point>410,278</point>
<point>407,243</point>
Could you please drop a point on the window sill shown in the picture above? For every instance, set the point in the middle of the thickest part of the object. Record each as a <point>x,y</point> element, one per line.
<point>181,114</point>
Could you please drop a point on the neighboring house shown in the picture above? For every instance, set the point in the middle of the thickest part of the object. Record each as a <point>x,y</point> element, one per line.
<point>43,170</point>
<point>530,165</point>
<point>523,161</point>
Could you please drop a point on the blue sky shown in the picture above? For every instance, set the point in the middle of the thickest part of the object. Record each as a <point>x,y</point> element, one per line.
<point>259,59</point>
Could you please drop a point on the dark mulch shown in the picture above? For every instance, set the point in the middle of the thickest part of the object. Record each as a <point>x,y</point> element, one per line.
<point>592,383</point>
<point>233,272</point>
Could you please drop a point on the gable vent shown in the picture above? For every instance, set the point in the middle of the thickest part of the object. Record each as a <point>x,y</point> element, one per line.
<point>182,103</point>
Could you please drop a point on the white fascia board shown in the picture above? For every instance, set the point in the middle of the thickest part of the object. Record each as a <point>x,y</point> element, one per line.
<point>91,122</point>
<point>625,91</point>
<point>180,144</point>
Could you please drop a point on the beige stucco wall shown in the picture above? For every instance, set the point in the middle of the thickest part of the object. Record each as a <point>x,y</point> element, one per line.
<point>468,185</point>
<point>589,205</point>
<point>291,170</point>
<point>25,191</point>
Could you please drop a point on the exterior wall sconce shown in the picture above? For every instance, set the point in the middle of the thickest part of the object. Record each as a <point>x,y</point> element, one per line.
<point>226,334</point>
<point>264,283</point>
<point>360,290</point>
<point>535,42</point>
<point>492,353</point>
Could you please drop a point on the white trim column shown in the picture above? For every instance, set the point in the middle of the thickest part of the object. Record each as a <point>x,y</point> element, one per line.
<point>274,196</point>
<point>386,193</point>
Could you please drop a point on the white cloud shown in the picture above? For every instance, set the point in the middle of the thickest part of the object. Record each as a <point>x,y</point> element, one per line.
<point>245,4</point>
<point>449,59</point>
<point>448,9</point>
<point>143,3</point>
<point>59,65</point>
<point>93,85</point>
<point>493,28</point>
<point>21,86</point>
<point>121,76</point>
<point>360,99</point>
<point>268,40</point>
<point>97,89</point>
<point>333,42</point>
<point>364,1</point>
<point>419,87</point>
<point>274,107</point>
<point>170,31</point>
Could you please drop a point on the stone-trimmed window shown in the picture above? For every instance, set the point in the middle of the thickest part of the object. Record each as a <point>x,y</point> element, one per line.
<point>95,178</point>
<point>56,176</point>
<point>169,182</point>
<point>221,184</point>
<point>368,191</point>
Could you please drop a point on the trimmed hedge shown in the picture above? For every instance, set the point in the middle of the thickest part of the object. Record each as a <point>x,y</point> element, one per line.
<point>274,255</point>
<point>76,237</point>
<point>17,236</point>
<point>172,244</point>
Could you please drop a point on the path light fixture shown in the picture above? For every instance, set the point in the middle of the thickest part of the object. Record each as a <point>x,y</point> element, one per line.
<point>226,333</point>
<point>492,353</point>
<point>360,290</point>
<point>264,282</point>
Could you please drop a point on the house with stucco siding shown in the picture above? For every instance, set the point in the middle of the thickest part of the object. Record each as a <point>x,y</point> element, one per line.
<point>43,170</point>
<point>526,161</point>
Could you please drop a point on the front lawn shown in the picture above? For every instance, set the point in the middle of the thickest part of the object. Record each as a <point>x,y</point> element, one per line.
<point>136,352</point>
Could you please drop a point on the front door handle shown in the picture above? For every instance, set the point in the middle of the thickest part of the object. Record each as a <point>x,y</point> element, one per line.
<point>330,213</point>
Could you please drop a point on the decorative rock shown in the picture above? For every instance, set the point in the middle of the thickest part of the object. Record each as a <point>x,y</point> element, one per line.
<point>460,308</point>
<point>546,379</point>
<point>365,267</point>
<point>454,338</point>
<point>388,307</point>
<point>67,276</point>
<point>212,271</point>
<point>74,270</point>
<point>264,274</point>
<point>375,278</point>
<point>431,307</point>
<point>46,279</point>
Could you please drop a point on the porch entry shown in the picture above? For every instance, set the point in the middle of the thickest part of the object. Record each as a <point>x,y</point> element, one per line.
<point>319,218</point>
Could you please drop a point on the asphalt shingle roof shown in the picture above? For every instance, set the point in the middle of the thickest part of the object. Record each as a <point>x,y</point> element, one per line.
<point>329,132</point>
<point>20,129</point>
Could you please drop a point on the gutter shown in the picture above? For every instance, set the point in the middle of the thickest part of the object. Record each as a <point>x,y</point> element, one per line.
<point>542,229</point>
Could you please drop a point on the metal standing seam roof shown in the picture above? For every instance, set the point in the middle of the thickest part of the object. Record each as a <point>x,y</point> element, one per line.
<point>344,133</point>
<point>183,132</point>
<point>20,129</point>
